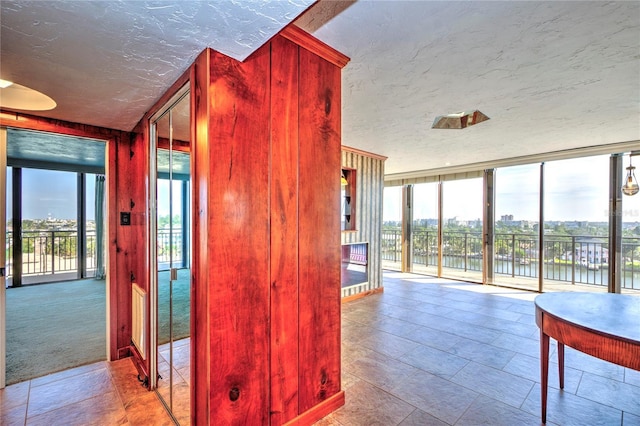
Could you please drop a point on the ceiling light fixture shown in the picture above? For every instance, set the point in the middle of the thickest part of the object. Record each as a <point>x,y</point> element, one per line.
<point>630,186</point>
<point>16,96</point>
<point>459,120</point>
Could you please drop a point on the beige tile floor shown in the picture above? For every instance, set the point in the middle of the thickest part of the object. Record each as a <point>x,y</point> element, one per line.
<point>96,394</point>
<point>427,351</point>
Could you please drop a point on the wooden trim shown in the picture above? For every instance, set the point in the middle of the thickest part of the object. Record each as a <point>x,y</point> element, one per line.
<point>313,45</point>
<point>200,170</point>
<point>363,294</point>
<point>19,120</point>
<point>363,153</point>
<point>319,411</point>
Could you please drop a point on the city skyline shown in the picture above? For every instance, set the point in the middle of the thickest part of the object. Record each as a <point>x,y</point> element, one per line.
<point>575,190</point>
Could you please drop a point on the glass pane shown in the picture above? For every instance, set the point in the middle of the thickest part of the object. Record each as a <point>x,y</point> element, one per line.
<point>425,228</point>
<point>630,277</point>
<point>9,227</point>
<point>49,225</point>
<point>391,228</point>
<point>462,229</point>
<point>576,224</point>
<point>517,212</point>
<point>172,249</point>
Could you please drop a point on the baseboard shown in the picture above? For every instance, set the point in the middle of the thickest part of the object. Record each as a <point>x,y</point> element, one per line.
<point>321,410</point>
<point>363,294</point>
<point>124,352</point>
<point>138,362</point>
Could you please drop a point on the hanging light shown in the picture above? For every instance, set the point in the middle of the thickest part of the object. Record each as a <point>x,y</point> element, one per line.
<point>630,186</point>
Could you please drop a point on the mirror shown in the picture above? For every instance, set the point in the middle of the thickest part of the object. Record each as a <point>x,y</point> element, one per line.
<point>170,157</point>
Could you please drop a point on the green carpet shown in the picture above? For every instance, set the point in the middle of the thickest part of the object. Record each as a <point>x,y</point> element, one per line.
<point>56,326</point>
<point>52,327</point>
<point>181,306</point>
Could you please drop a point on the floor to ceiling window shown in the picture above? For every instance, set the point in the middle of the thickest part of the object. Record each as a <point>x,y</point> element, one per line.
<point>630,262</point>
<point>576,223</point>
<point>49,225</point>
<point>391,228</point>
<point>462,229</point>
<point>425,228</point>
<point>517,218</point>
<point>569,198</point>
<point>51,207</point>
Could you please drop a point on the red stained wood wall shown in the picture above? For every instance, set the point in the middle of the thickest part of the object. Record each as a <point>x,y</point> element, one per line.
<point>266,306</point>
<point>266,231</point>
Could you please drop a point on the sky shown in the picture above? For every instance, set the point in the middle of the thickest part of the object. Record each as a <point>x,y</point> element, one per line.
<point>576,189</point>
<point>50,193</point>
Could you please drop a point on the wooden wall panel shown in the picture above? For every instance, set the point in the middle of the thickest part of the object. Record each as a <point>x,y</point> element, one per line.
<point>284,231</point>
<point>201,169</point>
<point>319,228</point>
<point>238,245</point>
<point>131,241</point>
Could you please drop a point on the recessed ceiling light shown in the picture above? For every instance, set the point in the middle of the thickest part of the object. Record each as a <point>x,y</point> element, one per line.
<point>16,96</point>
<point>459,120</point>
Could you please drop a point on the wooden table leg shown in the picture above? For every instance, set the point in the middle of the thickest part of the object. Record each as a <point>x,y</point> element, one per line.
<point>561,364</point>
<point>544,372</point>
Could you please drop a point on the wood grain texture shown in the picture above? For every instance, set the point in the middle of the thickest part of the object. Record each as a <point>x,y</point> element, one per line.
<point>238,242</point>
<point>284,231</point>
<point>111,173</point>
<point>131,241</point>
<point>319,228</point>
<point>315,46</point>
<point>201,169</point>
<point>601,325</point>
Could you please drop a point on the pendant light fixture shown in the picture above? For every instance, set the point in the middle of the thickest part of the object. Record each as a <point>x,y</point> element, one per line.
<point>630,186</point>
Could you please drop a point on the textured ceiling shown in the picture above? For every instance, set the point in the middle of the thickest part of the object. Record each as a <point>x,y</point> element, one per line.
<point>550,75</point>
<point>107,62</point>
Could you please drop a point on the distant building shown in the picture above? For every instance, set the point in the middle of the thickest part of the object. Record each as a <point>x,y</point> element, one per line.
<point>589,252</point>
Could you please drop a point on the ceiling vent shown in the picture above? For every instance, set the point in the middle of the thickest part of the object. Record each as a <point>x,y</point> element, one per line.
<point>459,120</point>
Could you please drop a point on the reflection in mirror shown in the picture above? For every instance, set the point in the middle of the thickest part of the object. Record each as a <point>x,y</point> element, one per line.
<point>172,252</point>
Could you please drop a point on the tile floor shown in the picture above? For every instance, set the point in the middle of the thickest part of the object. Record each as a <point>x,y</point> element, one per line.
<point>96,394</point>
<point>427,351</point>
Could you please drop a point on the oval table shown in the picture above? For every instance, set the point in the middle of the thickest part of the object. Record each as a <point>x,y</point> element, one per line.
<point>603,325</point>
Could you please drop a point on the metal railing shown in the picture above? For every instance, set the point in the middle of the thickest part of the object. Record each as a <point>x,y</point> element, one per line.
<point>567,258</point>
<point>48,252</point>
<point>170,246</point>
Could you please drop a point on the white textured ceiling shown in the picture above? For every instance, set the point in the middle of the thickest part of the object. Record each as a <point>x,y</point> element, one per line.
<point>550,75</point>
<point>106,63</point>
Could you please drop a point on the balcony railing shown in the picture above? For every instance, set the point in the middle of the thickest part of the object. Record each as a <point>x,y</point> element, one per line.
<point>48,252</point>
<point>567,258</point>
<point>169,247</point>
